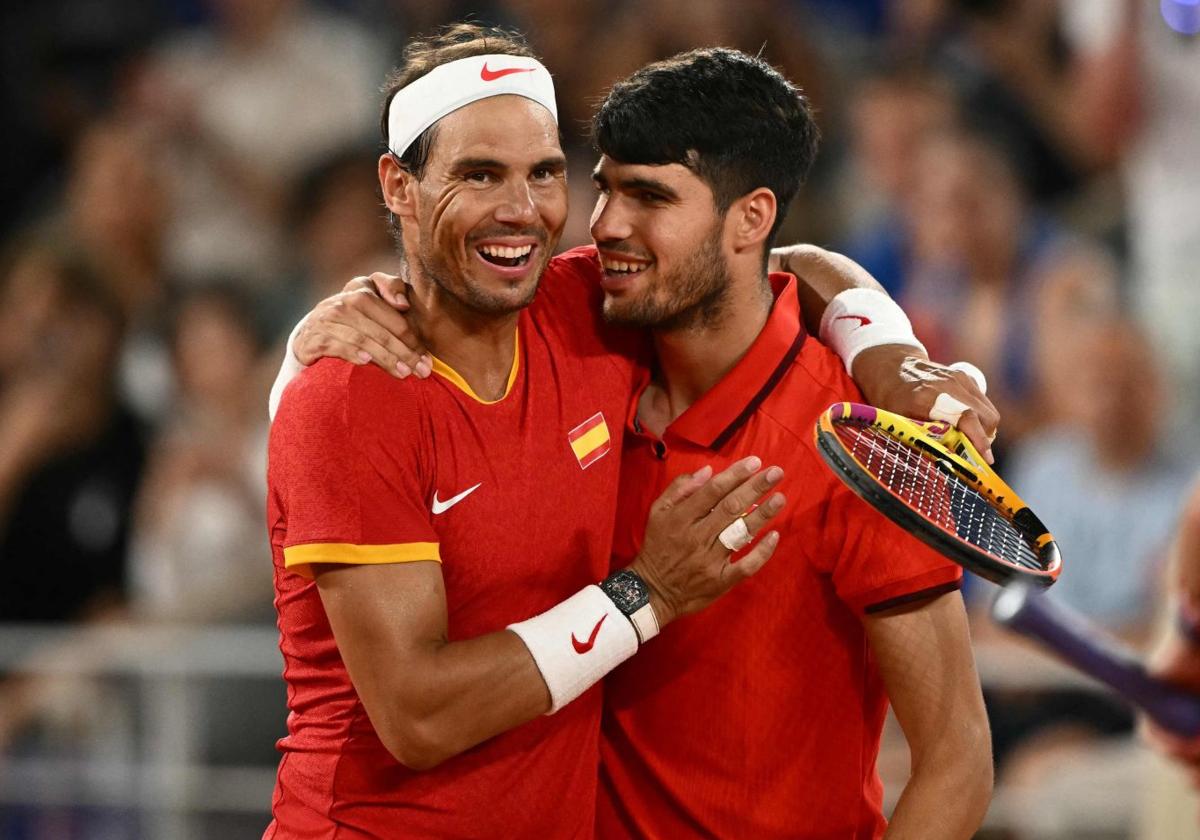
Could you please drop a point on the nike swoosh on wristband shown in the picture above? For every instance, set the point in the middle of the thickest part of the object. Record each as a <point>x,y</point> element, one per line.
<point>492,75</point>
<point>442,507</point>
<point>862,321</point>
<point>584,647</point>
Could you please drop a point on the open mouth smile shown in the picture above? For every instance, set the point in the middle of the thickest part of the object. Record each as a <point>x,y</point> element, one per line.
<point>623,268</point>
<point>504,256</point>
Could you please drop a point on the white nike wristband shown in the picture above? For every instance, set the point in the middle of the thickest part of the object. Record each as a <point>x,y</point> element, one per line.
<point>290,369</point>
<point>859,319</point>
<point>577,642</point>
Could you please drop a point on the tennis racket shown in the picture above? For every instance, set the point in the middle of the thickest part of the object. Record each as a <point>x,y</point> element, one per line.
<point>1090,650</point>
<point>928,479</point>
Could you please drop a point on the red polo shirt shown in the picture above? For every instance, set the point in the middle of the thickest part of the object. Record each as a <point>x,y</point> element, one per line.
<point>761,715</point>
<point>513,497</point>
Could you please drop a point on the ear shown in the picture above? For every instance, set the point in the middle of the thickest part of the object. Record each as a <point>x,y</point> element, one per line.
<point>398,186</point>
<point>751,217</point>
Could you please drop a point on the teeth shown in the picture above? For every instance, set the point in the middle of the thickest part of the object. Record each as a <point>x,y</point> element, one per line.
<point>505,252</point>
<point>622,266</point>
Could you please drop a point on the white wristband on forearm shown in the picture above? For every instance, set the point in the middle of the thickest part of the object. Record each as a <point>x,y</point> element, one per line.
<point>577,642</point>
<point>859,319</point>
<point>290,369</point>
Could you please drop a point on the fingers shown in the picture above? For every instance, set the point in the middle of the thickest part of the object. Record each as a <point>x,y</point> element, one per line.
<point>757,519</point>
<point>977,401</point>
<point>739,500</point>
<point>391,287</point>
<point>721,485</point>
<point>390,330</point>
<point>334,341</point>
<point>754,559</point>
<point>359,327</point>
<point>682,487</point>
<point>970,426</point>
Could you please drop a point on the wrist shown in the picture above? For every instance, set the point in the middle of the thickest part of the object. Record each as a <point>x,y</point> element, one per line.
<point>875,370</point>
<point>664,612</point>
<point>857,320</point>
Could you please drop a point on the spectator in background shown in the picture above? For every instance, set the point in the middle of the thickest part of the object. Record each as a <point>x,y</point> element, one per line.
<point>1106,479</point>
<point>117,208</point>
<point>271,87</point>
<point>891,113</point>
<point>994,282</point>
<point>1112,492</point>
<point>1146,82</point>
<point>200,505</point>
<point>339,230</point>
<point>1016,81</point>
<point>71,454</point>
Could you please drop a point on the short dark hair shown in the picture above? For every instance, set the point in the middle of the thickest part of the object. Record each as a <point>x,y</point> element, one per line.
<point>425,53</point>
<point>731,118</point>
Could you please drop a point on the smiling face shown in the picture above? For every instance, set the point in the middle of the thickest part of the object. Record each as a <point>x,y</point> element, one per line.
<point>485,217</point>
<point>661,244</point>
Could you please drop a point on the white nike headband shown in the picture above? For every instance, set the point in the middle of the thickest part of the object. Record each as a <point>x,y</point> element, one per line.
<point>459,83</point>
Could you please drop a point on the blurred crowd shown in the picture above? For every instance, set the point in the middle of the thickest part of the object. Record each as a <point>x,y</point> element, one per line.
<point>185,178</point>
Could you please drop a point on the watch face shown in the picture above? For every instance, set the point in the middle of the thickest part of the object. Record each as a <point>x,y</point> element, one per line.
<point>627,590</point>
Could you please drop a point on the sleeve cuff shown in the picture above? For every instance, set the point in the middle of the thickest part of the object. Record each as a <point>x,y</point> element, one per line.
<point>926,585</point>
<point>300,558</point>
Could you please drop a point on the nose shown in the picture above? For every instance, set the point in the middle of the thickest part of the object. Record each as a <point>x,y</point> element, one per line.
<point>609,224</point>
<point>519,206</point>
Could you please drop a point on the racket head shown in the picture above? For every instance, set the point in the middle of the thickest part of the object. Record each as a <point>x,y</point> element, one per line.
<point>929,480</point>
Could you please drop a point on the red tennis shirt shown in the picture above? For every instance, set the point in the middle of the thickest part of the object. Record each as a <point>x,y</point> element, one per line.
<point>761,715</point>
<point>515,498</point>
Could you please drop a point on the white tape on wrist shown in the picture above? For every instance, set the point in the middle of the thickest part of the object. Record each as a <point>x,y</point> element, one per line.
<point>859,319</point>
<point>577,642</point>
<point>290,369</point>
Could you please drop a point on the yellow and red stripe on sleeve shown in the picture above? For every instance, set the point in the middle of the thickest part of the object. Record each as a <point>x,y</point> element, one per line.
<point>299,558</point>
<point>590,440</point>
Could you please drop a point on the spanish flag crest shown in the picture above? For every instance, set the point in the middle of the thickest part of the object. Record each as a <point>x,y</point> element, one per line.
<point>590,440</point>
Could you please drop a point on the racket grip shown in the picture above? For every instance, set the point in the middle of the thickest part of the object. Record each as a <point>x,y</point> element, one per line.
<point>1092,651</point>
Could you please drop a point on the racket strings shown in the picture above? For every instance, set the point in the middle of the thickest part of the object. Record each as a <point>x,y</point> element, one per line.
<point>939,496</point>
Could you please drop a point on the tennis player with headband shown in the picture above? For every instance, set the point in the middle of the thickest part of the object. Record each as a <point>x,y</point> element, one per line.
<point>413,521</point>
<point>511,243</point>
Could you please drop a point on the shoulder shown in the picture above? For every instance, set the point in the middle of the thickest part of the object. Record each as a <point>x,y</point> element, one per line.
<point>815,380</point>
<point>335,397</point>
<point>572,279</point>
<point>570,305</point>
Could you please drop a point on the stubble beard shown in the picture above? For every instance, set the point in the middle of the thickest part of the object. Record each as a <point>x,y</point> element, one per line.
<point>696,296</point>
<point>469,295</point>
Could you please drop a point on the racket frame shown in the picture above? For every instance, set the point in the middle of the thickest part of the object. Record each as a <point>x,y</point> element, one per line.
<point>952,451</point>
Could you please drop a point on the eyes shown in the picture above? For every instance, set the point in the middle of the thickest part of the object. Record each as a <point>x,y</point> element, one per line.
<point>488,177</point>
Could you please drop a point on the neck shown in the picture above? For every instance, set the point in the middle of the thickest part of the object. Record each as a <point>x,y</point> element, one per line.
<point>478,346</point>
<point>691,360</point>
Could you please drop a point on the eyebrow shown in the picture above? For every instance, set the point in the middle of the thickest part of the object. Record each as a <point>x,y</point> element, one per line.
<point>634,184</point>
<point>556,162</point>
<point>463,164</point>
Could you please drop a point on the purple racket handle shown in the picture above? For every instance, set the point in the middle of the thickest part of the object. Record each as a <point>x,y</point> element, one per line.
<point>1095,653</point>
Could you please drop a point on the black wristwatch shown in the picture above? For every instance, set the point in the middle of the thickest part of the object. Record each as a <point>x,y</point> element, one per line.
<point>629,592</point>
